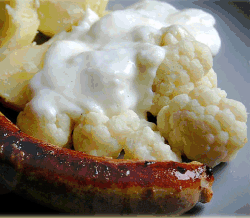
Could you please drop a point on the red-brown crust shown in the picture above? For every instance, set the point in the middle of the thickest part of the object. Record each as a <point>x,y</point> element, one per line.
<point>76,182</point>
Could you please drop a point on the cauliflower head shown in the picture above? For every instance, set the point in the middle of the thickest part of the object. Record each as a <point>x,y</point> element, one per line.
<point>193,115</point>
<point>204,125</point>
<point>47,117</point>
<point>99,135</point>
<point>187,64</point>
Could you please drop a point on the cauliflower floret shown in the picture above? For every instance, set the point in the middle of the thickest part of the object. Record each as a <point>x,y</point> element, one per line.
<point>46,117</point>
<point>187,64</point>
<point>99,135</point>
<point>204,125</point>
<point>210,80</point>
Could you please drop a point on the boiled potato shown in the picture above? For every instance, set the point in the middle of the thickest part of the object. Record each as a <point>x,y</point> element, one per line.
<point>20,60</point>
<point>18,68</point>
<point>18,26</point>
<point>57,15</point>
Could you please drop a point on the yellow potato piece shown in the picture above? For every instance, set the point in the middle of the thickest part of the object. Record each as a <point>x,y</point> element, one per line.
<point>20,60</point>
<point>58,15</point>
<point>18,26</point>
<point>18,68</point>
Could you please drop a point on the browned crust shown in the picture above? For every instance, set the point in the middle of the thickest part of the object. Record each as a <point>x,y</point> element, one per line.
<point>75,182</point>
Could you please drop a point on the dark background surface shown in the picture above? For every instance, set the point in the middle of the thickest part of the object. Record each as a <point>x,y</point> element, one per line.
<point>232,64</point>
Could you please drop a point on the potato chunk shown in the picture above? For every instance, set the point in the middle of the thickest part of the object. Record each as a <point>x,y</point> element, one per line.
<point>19,24</point>
<point>18,68</point>
<point>67,14</point>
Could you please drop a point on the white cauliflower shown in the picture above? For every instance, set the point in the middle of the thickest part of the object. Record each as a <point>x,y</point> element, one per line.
<point>96,134</point>
<point>187,64</point>
<point>193,114</point>
<point>204,125</point>
<point>46,117</point>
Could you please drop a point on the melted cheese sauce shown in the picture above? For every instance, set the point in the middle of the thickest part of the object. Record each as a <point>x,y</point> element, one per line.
<point>108,65</point>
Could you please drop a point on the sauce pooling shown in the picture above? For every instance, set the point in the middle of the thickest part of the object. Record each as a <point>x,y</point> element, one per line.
<point>108,65</point>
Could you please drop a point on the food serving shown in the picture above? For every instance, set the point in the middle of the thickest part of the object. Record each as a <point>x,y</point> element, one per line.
<point>92,88</point>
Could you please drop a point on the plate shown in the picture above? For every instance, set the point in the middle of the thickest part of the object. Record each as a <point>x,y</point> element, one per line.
<point>232,65</point>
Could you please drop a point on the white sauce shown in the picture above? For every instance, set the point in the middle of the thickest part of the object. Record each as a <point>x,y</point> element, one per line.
<point>198,22</point>
<point>108,65</point>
